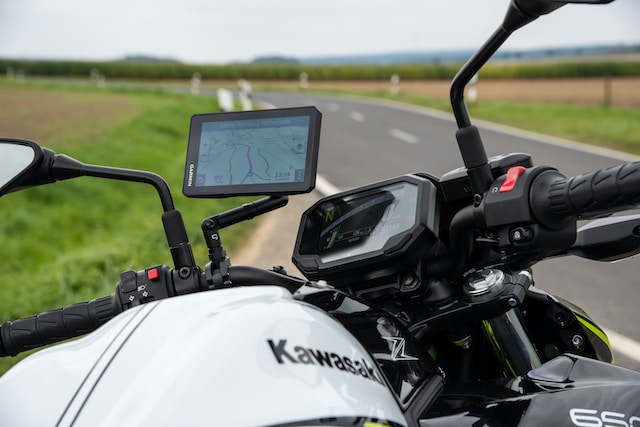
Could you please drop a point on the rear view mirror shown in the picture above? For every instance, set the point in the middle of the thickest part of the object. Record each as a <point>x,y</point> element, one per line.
<point>534,8</point>
<point>18,158</point>
<point>576,1</point>
<point>268,152</point>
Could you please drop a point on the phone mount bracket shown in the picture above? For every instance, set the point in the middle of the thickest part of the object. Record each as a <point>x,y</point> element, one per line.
<point>217,270</point>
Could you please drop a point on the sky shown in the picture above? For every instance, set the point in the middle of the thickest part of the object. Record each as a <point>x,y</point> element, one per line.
<point>218,32</point>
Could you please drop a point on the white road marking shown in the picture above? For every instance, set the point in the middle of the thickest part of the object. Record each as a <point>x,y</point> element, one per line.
<point>403,136</point>
<point>334,107</point>
<point>358,117</point>
<point>624,345</point>
<point>324,187</point>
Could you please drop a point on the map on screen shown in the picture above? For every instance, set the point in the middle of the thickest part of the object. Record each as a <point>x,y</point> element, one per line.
<point>259,151</point>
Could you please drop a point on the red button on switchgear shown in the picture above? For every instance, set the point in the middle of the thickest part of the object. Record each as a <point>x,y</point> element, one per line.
<point>153,274</point>
<point>511,179</point>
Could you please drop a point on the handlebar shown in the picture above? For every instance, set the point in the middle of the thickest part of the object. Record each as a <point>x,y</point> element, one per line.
<point>531,213</point>
<point>542,195</point>
<point>134,288</point>
<point>587,195</point>
<point>54,326</point>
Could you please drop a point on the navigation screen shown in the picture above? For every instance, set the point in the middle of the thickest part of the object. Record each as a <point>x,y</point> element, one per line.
<point>253,152</point>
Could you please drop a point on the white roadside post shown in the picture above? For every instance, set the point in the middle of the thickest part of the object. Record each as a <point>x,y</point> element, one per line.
<point>97,78</point>
<point>245,94</point>
<point>195,83</point>
<point>225,99</point>
<point>304,80</point>
<point>395,84</point>
<point>472,89</point>
<point>102,81</point>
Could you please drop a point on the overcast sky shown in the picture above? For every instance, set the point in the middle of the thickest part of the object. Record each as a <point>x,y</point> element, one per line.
<point>217,31</point>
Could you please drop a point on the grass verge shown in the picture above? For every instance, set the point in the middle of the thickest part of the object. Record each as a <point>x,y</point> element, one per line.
<point>68,242</point>
<point>610,127</point>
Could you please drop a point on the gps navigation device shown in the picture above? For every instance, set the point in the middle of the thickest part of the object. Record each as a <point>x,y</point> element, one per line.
<point>265,152</point>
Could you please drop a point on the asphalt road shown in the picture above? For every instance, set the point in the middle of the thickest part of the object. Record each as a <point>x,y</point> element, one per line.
<point>364,141</point>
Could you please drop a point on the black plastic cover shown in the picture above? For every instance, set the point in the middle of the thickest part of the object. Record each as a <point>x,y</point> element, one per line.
<point>457,187</point>
<point>608,239</point>
<point>407,367</point>
<point>567,391</point>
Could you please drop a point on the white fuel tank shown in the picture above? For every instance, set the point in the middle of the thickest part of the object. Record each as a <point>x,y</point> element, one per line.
<point>237,357</point>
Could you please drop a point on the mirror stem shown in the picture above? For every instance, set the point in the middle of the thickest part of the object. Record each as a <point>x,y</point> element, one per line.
<point>467,72</point>
<point>468,136</point>
<point>65,167</point>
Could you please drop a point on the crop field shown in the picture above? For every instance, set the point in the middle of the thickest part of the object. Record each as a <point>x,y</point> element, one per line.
<point>614,66</point>
<point>52,116</point>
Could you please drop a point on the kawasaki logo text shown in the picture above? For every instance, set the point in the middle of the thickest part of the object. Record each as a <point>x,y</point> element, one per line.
<point>311,356</point>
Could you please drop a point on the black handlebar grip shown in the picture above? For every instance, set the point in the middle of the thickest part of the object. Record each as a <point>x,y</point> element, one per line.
<point>600,192</point>
<point>53,326</point>
<point>587,195</point>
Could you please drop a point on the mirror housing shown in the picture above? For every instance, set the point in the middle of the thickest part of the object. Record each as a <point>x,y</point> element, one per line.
<point>22,163</point>
<point>522,12</point>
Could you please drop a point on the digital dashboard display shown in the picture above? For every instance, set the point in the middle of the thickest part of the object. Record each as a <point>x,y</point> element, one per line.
<point>255,152</point>
<point>361,224</point>
<point>368,236</point>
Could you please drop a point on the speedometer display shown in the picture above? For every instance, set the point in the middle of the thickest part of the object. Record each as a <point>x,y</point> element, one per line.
<point>363,223</point>
<point>368,232</point>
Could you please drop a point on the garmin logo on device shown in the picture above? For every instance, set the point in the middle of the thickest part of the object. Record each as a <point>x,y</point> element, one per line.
<point>190,179</point>
<point>311,356</point>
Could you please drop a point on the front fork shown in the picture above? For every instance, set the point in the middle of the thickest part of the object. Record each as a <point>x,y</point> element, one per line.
<point>510,343</point>
<point>506,332</point>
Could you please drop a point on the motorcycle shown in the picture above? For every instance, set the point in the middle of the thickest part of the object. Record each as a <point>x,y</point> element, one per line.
<point>418,305</point>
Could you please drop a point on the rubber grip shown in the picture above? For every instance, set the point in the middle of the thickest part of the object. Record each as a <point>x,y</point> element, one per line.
<point>596,193</point>
<point>53,326</point>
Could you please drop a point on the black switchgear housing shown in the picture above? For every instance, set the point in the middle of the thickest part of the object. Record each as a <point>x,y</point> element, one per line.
<point>144,286</point>
<point>508,210</point>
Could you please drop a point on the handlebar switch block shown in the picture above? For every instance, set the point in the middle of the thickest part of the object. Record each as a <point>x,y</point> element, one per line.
<point>510,210</point>
<point>507,201</point>
<point>144,286</point>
